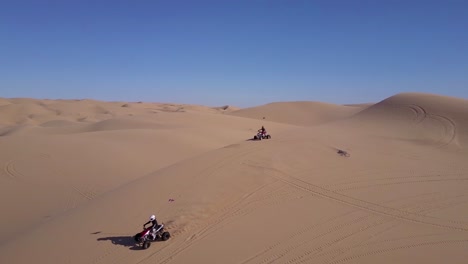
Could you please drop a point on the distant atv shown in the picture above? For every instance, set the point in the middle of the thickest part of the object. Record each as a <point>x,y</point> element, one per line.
<point>261,136</point>
<point>145,237</point>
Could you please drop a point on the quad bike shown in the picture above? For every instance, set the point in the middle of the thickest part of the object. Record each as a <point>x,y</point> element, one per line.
<point>145,237</point>
<point>261,136</point>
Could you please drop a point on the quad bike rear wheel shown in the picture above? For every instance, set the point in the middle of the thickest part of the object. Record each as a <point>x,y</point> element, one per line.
<point>165,236</point>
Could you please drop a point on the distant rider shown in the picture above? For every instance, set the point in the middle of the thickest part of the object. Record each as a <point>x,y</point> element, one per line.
<point>262,130</point>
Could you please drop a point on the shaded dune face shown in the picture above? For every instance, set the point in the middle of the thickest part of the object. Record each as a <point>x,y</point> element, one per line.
<point>398,196</point>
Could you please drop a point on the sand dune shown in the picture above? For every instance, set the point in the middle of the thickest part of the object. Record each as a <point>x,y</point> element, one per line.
<point>299,113</point>
<point>398,196</point>
<point>57,162</point>
<point>31,111</point>
<point>424,118</point>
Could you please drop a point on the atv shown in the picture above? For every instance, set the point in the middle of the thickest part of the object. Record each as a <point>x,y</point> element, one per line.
<point>146,236</point>
<point>261,136</point>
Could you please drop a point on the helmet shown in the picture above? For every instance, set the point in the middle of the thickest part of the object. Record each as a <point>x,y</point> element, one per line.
<point>152,217</point>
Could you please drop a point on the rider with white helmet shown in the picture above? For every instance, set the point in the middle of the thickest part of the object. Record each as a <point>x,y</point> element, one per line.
<point>152,220</point>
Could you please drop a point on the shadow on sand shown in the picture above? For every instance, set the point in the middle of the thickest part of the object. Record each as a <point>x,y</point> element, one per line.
<point>126,241</point>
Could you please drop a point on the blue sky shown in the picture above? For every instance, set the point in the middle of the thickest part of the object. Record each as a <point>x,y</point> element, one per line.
<point>242,53</point>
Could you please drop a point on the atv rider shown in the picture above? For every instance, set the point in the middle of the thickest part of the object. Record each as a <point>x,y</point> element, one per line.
<point>154,227</point>
<point>262,130</point>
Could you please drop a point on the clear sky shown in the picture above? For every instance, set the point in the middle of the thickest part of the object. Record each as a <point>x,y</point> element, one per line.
<point>242,53</point>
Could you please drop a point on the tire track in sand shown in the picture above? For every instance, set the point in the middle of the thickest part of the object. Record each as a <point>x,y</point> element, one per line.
<point>77,195</point>
<point>409,246</point>
<point>307,240</point>
<point>266,195</point>
<point>198,232</point>
<point>210,171</point>
<point>304,257</point>
<point>10,170</point>
<point>182,238</point>
<point>450,127</point>
<point>315,253</point>
<point>401,182</point>
<point>270,198</point>
<point>420,113</point>
<point>87,193</point>
<point>365,205</point>
<point>240,209</point>
<point>450,130</point>
<point>430,205</point>
<point>395,178</point>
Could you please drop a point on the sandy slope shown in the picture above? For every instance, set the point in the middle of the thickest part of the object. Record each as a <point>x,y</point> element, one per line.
<point>299,113</point>
<point>51,163</point>
<point>400,197</point>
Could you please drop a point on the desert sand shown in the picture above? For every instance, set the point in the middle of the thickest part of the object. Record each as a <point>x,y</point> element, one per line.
<point>79,178</point>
